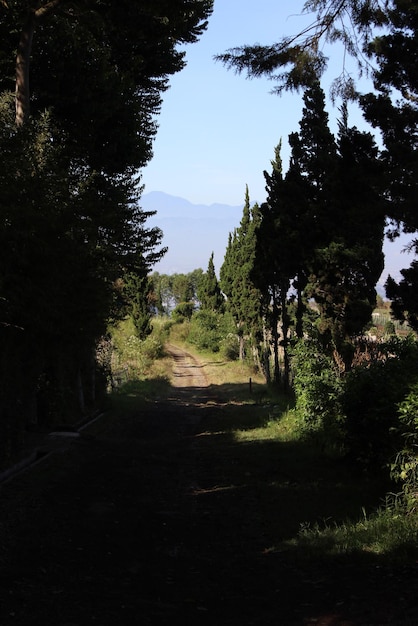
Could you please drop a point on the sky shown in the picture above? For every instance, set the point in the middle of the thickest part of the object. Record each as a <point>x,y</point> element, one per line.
<point>218,130</point>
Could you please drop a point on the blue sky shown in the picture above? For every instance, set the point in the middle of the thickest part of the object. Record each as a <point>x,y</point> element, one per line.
<point>217,130</point>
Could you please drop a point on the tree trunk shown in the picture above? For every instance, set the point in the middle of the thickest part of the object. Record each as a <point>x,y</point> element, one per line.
<point>266,355</point>
<point>275,334</point>
<point>241,347</point>
<point>23,57</point>
<point>24,51</point>
<point>300,309</point>
<point>285,330</point>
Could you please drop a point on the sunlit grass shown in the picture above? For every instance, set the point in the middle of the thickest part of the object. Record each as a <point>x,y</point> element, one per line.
<point>281,425</point>
<point>389,532</point>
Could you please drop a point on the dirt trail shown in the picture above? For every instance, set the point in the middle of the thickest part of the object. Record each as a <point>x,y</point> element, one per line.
<point>187,370</point>
<point>157,520</point>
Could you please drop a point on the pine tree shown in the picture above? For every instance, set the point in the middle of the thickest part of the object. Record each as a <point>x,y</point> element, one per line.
<point>394,110</point>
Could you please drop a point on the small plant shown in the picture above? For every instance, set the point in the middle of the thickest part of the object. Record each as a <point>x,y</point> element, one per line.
<point>132,357</point>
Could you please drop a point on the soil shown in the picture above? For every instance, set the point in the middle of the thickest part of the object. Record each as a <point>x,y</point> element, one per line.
<point>155,520</point>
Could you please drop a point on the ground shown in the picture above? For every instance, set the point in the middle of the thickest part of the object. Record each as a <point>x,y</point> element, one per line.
<point>158,519</point>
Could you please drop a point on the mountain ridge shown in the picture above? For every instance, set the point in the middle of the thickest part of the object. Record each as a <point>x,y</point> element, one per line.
<point>193,231</point>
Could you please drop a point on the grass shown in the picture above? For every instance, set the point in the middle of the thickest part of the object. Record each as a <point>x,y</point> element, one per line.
<point>345,528</point>
<point>322,507</point>
<point>387,532</point>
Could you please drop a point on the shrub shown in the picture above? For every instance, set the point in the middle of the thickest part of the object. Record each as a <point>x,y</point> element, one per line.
<point>206,331</point>
<point>404,469</point>
<point>372,394</point>
<point>318,388</point>
<point>210,330</point>
<point>183,311</point>
<point>230,347</point>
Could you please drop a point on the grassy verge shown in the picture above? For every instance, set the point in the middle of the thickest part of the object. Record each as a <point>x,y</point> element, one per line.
<point>342,512</point>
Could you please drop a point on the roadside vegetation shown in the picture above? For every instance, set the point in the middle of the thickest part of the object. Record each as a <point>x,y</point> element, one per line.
<point>365,511</point>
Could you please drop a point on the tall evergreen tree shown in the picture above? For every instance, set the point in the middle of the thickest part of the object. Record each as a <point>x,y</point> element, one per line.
<point>137,291</point>
<point>347,267</point>
<point>274,264</point>
<point>308,194</point>
<point>209,291</point>
<point>244,299</point>
<point>70,151</point>
<point>381,35</point>
<point>394,110</point>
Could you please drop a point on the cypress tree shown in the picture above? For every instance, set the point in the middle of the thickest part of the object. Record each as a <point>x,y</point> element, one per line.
<point>244,299</point>
<point>274,264</point>
<point>209,291</point>
<point>347,267</point>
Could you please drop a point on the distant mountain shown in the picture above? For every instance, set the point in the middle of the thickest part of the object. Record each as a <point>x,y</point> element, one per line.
<point>193,231</point>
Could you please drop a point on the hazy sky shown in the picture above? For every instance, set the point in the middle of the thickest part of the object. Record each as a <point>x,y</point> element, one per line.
<point>217,130</point>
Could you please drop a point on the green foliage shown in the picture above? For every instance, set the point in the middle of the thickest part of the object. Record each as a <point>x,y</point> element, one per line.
<point>405,465</point>
<point>276,259</point>
<point>244,299</point>
<point>298,59</point>
<point>132,357</point>
<point>388,531</point>
<point>136,291</point>
<point>230,346</point>
<point>183,311</point>
<point>372,393</point>
<point>403,296</point>
<point>70,223</point>
<point>318,390</point>
<point>209,292</point>
<point>209,329</point>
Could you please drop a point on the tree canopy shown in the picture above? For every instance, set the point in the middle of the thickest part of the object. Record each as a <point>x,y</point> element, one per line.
<point>81,83</point>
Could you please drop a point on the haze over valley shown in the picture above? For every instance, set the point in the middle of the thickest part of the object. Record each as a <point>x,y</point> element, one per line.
<point>193,231</point>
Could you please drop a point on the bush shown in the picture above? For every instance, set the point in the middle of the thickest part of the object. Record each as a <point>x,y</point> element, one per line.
<point>372,394</point>
<point>206,331</point>
<point>230,347</point>
<point>318,389</point>
<point>183,311</point>
<point>404,469</point>
<point>131,356</point>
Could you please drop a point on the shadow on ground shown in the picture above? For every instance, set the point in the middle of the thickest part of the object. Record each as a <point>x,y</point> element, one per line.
<point>159,515</point>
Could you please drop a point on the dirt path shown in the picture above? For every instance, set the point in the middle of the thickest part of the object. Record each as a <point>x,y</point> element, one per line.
<point>187,371</point>
<point>159,520</point>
